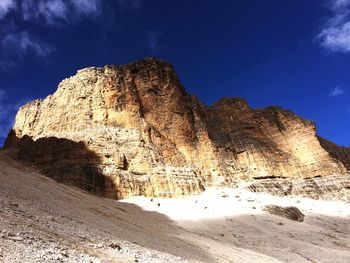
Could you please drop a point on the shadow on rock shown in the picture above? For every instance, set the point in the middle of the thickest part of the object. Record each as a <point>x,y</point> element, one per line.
<point>64,160</point>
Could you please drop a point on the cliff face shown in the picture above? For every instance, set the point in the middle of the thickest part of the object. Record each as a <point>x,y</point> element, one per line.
<point>337,152</point>
<point>149,137</point>
<point>269,142</point>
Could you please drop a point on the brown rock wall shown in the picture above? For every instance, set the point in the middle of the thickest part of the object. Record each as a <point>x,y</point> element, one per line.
<point>149,137</point>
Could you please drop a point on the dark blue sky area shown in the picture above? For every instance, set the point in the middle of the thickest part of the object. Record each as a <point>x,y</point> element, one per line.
<point>291,53</point>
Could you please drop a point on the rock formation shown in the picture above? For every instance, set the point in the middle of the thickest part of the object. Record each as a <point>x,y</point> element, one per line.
<point>290,212</point>
<point>337,152</point>
<point>327,187</point>
<point>136,127</point>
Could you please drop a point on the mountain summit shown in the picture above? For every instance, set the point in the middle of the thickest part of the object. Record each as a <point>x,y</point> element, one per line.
<point>133,130</point>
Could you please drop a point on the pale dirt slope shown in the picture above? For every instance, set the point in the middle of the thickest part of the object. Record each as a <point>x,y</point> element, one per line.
<point>43,221</point>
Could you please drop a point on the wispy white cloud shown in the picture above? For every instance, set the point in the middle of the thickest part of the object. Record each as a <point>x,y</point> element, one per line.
<point>19,43</point>
<point>6,6</point>
<point>336,91</point>
<point>57,12</point>
<point>15,45</point>
<point>336,36</point>
<point>335,33</point>
<point>87,7</point>
<point>152,40</point>
<point>338,4</point>
<point>50,11</point>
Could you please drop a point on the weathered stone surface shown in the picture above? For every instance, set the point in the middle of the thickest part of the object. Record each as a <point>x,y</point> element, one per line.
<point>337,152</point>
<point>290,212</point>
<point>267,142</point>
<point>328,187</point>
<point>149,137</point>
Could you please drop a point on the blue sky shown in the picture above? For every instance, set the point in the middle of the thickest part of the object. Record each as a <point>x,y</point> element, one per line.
<point>291,53</point>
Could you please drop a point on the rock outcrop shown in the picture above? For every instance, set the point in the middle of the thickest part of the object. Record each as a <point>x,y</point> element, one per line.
<point>337,152</point>
<point>290,212</point>
<point>327,187</point>
<point>136,126</point>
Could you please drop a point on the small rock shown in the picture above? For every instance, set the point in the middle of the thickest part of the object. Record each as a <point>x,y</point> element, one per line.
<point>64,254</point>
<point>290,212</point>
<point>224,195</point>
<point>115,246</point>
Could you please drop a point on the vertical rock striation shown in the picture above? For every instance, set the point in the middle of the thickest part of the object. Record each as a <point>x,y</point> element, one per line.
<point>267,142</point>
<point>136,127</point>
<point>337,152</point>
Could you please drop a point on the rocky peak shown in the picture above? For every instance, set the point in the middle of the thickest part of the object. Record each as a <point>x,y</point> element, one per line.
<point>233,102</point>
<point>135,126</point>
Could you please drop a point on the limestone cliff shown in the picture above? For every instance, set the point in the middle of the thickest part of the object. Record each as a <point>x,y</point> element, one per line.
<point>133,130</point>
<point>327,187</point>
<point>337,152</point>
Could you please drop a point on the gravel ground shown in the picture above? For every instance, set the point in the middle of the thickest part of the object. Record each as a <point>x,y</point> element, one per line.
<point>42,221</point>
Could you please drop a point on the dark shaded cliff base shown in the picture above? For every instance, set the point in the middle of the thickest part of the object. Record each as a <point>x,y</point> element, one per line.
<point>63,160</point>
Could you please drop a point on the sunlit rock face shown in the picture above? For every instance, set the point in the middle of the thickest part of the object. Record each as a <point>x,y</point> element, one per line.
<point>254,143</point>
<point>327,187</point>
<point>149,137</point>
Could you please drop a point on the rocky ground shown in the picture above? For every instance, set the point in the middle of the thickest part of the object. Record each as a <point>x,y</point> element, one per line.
<point>43,221</point>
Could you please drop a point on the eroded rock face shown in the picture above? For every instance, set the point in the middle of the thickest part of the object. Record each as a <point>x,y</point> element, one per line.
<point>328,187</point>
<point>149,137</point>
<point>337,152</point>
<point>267,142</point>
